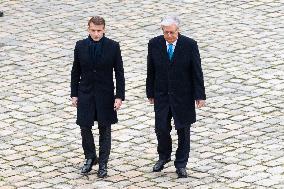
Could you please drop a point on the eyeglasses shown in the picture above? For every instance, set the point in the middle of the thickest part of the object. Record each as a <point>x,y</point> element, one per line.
<point>169,32</point>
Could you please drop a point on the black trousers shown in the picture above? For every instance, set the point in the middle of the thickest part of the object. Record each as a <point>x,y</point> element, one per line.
<point>88,143</point>
<point>163,132</point>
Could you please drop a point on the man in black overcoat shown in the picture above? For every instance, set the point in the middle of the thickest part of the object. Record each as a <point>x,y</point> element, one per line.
<point>96,58</point>
<point>174,84</point>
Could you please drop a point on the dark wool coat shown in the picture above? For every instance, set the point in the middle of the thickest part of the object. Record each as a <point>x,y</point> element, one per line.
<point>175,84</point>
<point>92,82</point>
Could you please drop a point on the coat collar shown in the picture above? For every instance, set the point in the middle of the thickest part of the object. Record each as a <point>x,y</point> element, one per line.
<point>178,48</point>
<point>100,56</point>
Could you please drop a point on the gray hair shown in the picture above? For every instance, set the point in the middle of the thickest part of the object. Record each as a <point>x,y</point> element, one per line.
<point>169,20</point>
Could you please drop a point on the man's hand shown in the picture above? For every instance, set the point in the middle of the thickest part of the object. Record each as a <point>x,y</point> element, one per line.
<point>117,103</point>
<point>151,100</point>
<point>74,101</point>
<point>200,103</point>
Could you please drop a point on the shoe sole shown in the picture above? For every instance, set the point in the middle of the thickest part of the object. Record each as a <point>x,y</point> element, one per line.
<point>181,176</point>
<point>102,176</point>
<point>159,170</point>
<point>94,163</point>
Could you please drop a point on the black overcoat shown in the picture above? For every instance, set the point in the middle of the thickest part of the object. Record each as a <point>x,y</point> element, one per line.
<point>92,82</point>
<point>175,84</point>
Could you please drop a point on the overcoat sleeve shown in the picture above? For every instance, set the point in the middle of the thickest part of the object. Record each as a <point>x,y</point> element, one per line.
<point>75,73</point>
<point>198,81</point>
<point>150,80</point>
<point>119,75</point>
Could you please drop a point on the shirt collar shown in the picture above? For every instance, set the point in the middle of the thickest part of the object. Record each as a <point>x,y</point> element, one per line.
<point>174,43</point>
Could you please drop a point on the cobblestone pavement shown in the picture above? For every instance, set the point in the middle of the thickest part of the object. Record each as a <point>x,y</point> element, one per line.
<point>237,142</point>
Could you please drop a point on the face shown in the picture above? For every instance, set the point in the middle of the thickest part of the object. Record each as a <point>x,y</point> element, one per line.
<point>170,33</point>
<point>96,31</point>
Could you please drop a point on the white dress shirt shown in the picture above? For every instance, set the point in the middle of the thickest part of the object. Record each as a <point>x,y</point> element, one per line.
<point>174,45</point>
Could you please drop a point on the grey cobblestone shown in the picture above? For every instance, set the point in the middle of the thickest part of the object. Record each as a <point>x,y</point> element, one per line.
<point>236,143</point>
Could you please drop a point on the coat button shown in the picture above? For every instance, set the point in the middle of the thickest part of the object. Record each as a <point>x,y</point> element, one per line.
<point>94,71</point>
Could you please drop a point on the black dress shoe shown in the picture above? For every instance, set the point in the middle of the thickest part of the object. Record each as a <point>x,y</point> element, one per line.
<point>160,165</point>
<point>87,167</point>
<point>102,172</point>
<point>181,172</point>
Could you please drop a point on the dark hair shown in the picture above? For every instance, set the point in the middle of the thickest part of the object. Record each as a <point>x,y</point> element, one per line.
<point>97,20</point>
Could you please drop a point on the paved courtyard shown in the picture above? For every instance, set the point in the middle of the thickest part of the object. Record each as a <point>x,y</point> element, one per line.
<point>238,141</point>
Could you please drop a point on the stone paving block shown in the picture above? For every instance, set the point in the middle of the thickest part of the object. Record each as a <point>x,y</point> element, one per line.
<point>22,184</point>
<point>146,184</point>
<point>267,182</point>
<point>56,181</point>
<point>279,170</point>
<point>255,177</point>
<point>131,174</point>
<point>239,184</point>
<point>63,186</point>
<point>8,187</point>
<point>132,187</point>
<point>239,134</point>
<point>167,184</point>
<point>40,185</point>
<point>121,184</point>
<point>232,174</point>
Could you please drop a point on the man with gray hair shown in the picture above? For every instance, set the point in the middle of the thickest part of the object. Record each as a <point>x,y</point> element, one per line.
<point>174,84</point>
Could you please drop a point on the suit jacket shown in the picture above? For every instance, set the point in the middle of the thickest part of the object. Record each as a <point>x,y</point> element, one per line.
<point>176,84</point>
<point>92,82</point>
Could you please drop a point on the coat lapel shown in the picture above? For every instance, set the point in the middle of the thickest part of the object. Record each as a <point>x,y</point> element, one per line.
<point>177,52</point>
<point>89,51</point>
<point>163,49</point>
<point>100,57</point>
<point>178,49</point>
